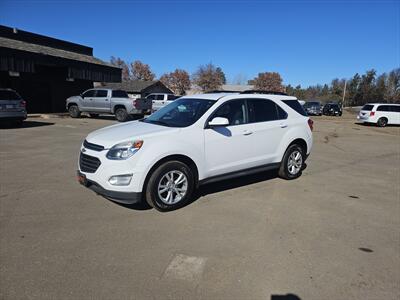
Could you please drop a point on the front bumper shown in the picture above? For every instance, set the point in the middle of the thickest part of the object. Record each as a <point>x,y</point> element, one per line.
<point>120,197</point>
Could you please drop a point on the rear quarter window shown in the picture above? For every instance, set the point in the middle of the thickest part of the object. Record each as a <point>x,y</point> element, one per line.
<point>294,104</point>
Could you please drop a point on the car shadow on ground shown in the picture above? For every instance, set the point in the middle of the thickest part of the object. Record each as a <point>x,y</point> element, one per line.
<point>25,124</point>
<point>212,188</point>
<point>285,297</point>
<point>224,185</point>
<point>216,187</point>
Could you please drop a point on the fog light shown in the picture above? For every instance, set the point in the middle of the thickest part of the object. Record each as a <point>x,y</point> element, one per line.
<point>120,179</point>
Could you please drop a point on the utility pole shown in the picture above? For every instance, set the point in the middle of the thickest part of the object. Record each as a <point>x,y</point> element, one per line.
<point>344,92</point>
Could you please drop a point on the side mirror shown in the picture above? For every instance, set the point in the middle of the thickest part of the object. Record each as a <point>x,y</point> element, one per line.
<point>218,121</point>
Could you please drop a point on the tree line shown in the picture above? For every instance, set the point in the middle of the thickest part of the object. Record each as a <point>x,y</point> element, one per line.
<point>360,89</point>
<point>357,90</point>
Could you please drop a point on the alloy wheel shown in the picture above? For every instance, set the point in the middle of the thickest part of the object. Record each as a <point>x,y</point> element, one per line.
<point>172,187</point>
<point>295,162</point>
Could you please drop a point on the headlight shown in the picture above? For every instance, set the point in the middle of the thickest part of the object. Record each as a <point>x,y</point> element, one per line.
<point>124,150</point>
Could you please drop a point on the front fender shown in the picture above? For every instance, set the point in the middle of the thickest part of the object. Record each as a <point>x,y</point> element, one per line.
<point>160,150</point>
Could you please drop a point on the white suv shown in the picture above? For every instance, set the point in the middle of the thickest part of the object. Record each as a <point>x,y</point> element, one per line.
<point>195,140</point>
<point>380,114</point>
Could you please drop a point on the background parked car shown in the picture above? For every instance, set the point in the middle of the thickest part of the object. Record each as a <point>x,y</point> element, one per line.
<point>12,107</point>
<point>380,114</point>
<point>332,109</point>
<point>107,101</point>
<point>160,100</point>
<point>313,108</point>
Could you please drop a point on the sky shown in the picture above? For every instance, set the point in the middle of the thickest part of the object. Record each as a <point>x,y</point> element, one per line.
<point>307,42</point>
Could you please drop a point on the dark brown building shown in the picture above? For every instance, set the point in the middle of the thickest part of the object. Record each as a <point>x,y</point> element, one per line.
<point>45,71</point>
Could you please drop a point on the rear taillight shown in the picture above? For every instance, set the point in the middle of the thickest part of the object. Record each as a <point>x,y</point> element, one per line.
<point>372,113</point>
<point>22,103</point>
<point>311,124</point>
<point>135,104</point>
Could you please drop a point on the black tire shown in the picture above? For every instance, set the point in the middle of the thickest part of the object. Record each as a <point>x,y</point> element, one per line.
<point>284,168</point>
<point>158,176</point>
<point>382,122</point>
<point>74,111</point>
<point>121,114</point>
<point>93,115</point>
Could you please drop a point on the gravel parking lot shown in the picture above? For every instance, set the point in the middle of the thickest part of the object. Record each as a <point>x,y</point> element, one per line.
<point>331,234</point>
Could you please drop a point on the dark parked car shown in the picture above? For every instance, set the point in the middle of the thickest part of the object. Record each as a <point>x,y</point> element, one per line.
<point>332,109</point>
<point>12,107</point>
<point>313,108</point>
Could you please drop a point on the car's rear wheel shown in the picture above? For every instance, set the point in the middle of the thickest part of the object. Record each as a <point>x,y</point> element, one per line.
<point>121,114</point>
<point>74,111</point>
<point>292,163</point>
<point>382,122</point>
<point>170,186</point>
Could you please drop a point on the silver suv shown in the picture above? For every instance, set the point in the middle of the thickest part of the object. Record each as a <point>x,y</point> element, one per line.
<point>12,107</point>
<point>107,101</point>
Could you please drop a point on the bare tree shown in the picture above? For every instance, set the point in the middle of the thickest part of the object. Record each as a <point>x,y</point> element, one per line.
<point>208,77</point>
<point>141,71</point>
<point>178,81</point>
<point>118,62</point>
<point>393,86</point>
<point>270,81</point>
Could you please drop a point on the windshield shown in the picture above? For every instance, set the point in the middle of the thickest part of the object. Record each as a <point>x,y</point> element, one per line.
<point>180,113</point>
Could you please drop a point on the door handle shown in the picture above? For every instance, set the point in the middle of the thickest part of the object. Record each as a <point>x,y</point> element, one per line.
<point>283,125</point>
<point>247,132</point>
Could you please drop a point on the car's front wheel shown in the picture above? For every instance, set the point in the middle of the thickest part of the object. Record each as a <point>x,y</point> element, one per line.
<point>74,111</point>
<point>292,163</point>
<point>170,186</point>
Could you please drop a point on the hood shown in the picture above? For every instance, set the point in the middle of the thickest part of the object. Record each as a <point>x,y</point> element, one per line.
<point>111,135</point>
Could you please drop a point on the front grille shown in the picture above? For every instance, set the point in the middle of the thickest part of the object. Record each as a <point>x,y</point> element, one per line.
<point>89,163</point>
<point>91,146</point>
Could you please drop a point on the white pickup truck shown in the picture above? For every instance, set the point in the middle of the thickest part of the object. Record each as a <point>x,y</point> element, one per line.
<point>107,101</point>
<point>160,100</point>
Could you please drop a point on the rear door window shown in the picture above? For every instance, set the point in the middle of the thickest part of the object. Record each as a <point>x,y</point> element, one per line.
<point>262,110</point>
<point>159,97</point>
<point>101,93</point>
<point>396,108</point>
<point>294,104</point>
<point>119,94</point>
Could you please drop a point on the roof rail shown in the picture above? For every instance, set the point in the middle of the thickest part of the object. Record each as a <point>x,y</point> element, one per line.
<point>220,91</point>
<point>263,92</point>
